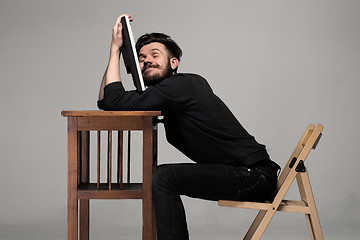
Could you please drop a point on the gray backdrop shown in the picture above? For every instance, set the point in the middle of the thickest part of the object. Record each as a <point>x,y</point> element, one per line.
<point>278,65</point>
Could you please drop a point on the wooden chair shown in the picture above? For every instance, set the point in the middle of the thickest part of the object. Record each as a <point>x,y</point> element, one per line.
<point>294,168</point>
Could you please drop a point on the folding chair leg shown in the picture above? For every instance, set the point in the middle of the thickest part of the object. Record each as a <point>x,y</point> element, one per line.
<point>254,226</point>
<point>263,218</point>
<point>259,225</point>
<point>307,196</point>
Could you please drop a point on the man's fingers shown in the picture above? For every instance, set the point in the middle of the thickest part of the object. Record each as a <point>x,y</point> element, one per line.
<point>118,25</point>
<point>117,32</point>
<point>117,28</point>
<point>122,15</point>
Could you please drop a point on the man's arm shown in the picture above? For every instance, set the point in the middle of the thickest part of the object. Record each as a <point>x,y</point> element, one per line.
<point>112,72</point>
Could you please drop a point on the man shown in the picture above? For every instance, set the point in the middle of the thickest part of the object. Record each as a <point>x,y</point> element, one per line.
<point>229,163</point>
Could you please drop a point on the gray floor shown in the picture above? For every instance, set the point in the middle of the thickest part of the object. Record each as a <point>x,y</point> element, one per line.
<point>112,220</point>
<point>219,223</point>
<point>58,231</point>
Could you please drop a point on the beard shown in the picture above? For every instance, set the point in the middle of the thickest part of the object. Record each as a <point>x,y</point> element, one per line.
<point>156,78</point>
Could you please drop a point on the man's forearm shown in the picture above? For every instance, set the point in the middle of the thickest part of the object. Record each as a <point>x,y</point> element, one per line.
<point>112,73</point>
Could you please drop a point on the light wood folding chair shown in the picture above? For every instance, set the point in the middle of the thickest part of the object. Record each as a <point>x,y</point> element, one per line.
<point>294,168</point>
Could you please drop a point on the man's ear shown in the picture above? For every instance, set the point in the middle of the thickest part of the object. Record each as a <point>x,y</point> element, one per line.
<point>174,63</point>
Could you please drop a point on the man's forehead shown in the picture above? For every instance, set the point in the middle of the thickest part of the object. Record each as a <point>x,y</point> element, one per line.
<point>154,46</point>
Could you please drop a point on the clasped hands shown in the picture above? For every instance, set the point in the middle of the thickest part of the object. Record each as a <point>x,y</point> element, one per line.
<point>117,39</point>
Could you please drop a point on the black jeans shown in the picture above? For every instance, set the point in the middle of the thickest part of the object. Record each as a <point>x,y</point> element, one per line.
<point>205,181</point>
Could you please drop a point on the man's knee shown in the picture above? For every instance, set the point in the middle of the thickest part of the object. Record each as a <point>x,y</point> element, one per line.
<point>163,177</point>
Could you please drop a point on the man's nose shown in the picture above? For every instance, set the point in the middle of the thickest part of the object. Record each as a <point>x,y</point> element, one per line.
<point>147,61</point>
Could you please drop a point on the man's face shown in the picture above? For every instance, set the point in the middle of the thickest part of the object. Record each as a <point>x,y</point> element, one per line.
<point>154,63</point>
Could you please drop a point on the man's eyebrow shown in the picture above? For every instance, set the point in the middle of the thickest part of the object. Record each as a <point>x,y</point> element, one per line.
<point>156,49</point>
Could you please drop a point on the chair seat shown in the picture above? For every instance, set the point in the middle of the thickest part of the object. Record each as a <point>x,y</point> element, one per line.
<point>285,205</point>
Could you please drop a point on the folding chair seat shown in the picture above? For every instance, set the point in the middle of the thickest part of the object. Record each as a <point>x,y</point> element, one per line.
<point>294,168</point>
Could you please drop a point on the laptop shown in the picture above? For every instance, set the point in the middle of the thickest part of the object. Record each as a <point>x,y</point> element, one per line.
<point>129,54</point>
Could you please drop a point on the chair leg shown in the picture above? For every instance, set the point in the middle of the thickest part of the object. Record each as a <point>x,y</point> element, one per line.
<point>255,224</point>
<point>308,197</point>
<point>84,219</point>
<point>259,225</point>
<point>85,173</point>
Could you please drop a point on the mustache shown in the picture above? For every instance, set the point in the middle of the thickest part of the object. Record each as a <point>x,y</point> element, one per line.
<point>150,66</point>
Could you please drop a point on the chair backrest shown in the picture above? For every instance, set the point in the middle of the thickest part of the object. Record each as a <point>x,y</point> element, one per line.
<point>308,141</point>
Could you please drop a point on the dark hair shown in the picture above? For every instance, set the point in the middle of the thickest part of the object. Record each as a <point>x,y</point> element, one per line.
<point>170,44</point>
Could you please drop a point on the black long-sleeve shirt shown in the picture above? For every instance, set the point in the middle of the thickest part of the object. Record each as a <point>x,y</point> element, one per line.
<point>196,121</point>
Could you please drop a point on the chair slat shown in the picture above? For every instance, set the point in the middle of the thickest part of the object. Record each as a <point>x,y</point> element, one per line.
<point>98,159</point>
<point>85,154</point>
<point>109,157</point>
<point>128,159</point>
<point>120,159</point>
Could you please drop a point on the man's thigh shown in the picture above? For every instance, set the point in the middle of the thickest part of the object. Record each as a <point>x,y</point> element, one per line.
<point>207,181</point>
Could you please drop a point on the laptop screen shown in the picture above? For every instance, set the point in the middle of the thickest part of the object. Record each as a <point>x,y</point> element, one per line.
<point>129,54</point>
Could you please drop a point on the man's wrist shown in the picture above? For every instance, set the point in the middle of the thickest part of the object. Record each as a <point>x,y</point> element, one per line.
<point>114,50</point>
